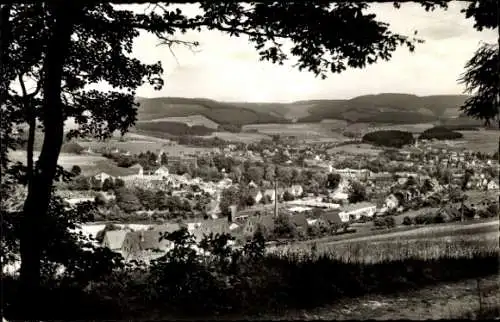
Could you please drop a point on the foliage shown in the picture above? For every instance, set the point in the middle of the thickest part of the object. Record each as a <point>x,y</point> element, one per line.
<point>440,133</point>
<point>284,228</point>
<point>108,184</point>
<point>407,221</point>
<point>127,200</point>
<point>357,192</point>
<point>481,81</point>
<point>72,147</point>
<point>389,138</point>
<point>333,180</point>
<point>76,170</point>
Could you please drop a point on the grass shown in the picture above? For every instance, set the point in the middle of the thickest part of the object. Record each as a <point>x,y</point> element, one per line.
<point>239,137</point>
<point>360,148</point>
<point>189,120</point>
<point>66,160</point>
<point>301,131</point>
<point>403,242</point>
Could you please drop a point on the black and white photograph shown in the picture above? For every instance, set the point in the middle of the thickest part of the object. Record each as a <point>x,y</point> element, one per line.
<point>249,160</point>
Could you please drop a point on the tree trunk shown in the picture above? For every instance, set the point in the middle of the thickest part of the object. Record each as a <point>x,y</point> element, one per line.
<point>39,189</point>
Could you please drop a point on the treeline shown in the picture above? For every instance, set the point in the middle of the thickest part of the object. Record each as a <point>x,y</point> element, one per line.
<point>389,138</point>
<point>440,133</point>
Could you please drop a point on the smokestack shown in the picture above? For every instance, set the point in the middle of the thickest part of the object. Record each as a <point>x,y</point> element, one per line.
<point>276,198</point>
<point>232,213</point>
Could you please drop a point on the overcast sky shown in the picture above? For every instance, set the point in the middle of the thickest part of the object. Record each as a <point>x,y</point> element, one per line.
<point>226,68</point>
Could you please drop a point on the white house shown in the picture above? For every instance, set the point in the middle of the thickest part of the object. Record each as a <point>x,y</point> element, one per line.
<point>492,185</point>
<point>296,190</point>
<point>161,171</point>
<point>357,210</point>
<point>101,176</point>
<point>391,202</point>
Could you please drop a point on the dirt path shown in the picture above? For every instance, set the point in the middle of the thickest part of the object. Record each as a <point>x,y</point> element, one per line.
<point>442,301</point>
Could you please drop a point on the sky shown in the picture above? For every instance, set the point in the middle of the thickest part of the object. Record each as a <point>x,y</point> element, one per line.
<point>228,69</point>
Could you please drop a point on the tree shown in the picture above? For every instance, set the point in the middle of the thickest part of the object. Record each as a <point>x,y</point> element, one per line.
<point>127,200</point>
<point>107,185</point>
<point>390,222</point>
<point>283,227</point>
<point>76,170</point>
<point>287,196</point>
<point>427,186</point>
<point>100,200</point>
<point>270,173</point>
<point>407,221</point>
<point>333,181</point>
<point>284,174</point>
<point>95,184</point>
<point>255,174</point>
<point>119,183</point>
<point>86,44</point>
<point>81,183</point>
<point>357,192</point>
<point>229,196</point>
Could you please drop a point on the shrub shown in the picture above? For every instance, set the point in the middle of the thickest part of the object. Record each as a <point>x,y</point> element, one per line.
<point>407,221</point>
<point>390,222</point>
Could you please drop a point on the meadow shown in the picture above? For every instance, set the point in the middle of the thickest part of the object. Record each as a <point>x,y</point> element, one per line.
<point>66,160</point>
<point>302,131</point>
<point>485,141</point>
<point>355,149</point>
<point>426,243</point>
<point>243,137</point>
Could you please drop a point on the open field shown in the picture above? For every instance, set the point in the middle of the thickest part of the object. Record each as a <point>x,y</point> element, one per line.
<point>137,143</point>
<point>243,137</point>
<point>188,120</point>
<point>361,148</point>
<point>480,141</point>
<point>446,240</point>
<point>66,160</point>
<point>299,130</point>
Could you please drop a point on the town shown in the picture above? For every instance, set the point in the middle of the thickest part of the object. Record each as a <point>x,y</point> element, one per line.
<point>244,188</point>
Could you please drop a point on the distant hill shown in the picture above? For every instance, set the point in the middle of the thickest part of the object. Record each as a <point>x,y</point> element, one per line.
<point>218,112</point>
<point>380,108</point>
<point>388,108</point>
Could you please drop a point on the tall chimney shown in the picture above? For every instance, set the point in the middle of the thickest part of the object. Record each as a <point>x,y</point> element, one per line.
<point>232,213</point>
<point>276,198</point>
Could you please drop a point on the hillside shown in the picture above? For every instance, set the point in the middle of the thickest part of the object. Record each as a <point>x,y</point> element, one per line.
<point>388,108</point>
<point>218,112</point>
<point>380,108</point>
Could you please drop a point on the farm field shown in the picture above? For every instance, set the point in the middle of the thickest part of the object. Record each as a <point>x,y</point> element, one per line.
<point>242,137</point>
<point>299,130</point>
<point>425,242</point>
<point>360,148</point>
<point>480,141</point>
<point>137,143</point>
<point>66,160</point>
<point>189,120</point>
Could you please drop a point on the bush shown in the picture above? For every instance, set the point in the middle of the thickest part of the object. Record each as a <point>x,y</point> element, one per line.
<point>407,221</point>
<point>390,222</point>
